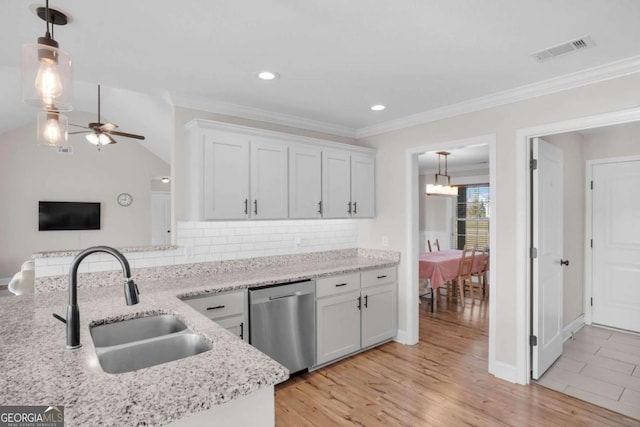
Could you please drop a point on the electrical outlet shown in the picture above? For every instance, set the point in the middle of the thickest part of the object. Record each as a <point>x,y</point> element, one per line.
<point>385,242</point>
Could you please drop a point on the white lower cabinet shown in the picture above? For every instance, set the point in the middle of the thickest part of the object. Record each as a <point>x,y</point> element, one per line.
<point>338,326</point>
<point>228,309</point>
<point>350,320</point>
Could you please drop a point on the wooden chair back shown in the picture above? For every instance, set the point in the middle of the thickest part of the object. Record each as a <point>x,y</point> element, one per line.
<point>466,261</point>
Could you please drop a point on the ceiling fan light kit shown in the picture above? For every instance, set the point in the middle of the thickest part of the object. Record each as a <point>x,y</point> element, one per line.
<point>47,77</point>
<point>100,133</point>
<point>437,189</point>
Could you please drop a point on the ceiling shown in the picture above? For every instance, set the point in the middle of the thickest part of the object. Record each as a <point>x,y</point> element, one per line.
<point>473,157</point>
<point>335,58</point>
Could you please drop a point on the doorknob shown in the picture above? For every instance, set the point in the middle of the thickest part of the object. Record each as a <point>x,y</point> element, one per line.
<point>564,262</point>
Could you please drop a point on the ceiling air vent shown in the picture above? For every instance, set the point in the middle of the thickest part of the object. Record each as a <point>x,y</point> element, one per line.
<point>564,48</point>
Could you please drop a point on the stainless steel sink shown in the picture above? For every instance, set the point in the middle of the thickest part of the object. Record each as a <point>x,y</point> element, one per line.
<point>134,344</point>
<point>137,329</point>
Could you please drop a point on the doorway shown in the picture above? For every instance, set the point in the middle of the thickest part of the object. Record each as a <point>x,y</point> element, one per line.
<point>524,215</point>
<point>410,336</point>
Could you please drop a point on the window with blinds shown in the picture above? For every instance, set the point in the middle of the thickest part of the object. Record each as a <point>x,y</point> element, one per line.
<point>473,213</point>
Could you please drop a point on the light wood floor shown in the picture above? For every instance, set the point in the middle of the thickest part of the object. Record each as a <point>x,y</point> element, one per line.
<point>441,381</point>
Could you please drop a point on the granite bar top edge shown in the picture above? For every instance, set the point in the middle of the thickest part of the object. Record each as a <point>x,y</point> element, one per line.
<point>321,261</point>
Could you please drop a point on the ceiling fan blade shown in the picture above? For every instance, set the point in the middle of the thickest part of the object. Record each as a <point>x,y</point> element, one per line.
<point>128,135</point>
<point>79,132</point>
<point>111,140</point>
<point>79,126</point>
<point>107,127</point>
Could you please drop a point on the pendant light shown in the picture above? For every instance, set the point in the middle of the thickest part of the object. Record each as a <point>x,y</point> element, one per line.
<point>52,129</point>
<point>46,69</point>
<point>437,189</point>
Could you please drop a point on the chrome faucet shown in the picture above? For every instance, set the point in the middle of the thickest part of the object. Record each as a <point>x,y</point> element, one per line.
<point>73,312</point>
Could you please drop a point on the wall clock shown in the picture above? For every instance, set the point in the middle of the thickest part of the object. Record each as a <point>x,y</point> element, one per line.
<point>125,199</point>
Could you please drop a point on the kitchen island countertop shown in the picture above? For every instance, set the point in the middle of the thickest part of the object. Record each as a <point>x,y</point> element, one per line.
<point>38,370</point>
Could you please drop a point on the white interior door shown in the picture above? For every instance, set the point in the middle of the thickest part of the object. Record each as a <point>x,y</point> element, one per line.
<point>616,245</point>
<point>160,218</point>
<point>547,270</point>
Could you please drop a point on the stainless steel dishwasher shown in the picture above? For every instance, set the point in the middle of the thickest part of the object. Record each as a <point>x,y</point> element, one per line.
<point>282,323</point>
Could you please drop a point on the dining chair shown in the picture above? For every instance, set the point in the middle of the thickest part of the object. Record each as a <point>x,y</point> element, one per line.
<point>429,245</point>
<point>438,244</point>
<point>464,272</point>
<point>481,282</point>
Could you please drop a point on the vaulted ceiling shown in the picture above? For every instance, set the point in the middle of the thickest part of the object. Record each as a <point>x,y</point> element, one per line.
<point>335,58</point>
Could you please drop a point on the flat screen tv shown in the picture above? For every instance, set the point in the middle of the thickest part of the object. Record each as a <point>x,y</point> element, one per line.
<point>68,216</point>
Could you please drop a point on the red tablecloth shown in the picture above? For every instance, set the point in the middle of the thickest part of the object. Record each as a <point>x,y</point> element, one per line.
<point>442,266</point>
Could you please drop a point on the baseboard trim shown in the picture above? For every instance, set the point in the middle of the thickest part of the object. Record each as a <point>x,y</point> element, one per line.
<point>401,337</point>
<point>572,328</point>
<point>504,371</point>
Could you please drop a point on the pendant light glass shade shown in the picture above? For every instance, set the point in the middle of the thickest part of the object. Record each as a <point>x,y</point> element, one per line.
<point>47,78</point>
<point>52,129</point>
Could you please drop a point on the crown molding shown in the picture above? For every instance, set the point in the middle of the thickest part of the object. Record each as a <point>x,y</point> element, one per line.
<point>251,113</point>
<point>557,84</point>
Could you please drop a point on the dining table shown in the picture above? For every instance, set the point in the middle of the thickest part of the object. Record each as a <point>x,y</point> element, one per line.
<point>441,267</point>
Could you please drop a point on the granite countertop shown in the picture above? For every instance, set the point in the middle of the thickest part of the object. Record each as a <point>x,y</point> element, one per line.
<point>38,370</point>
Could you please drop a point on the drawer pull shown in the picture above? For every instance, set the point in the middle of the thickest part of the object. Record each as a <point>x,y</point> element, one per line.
<point>382,277</point>
<point>216,307</point>
<point>341,284</point>
<point>242,330</point>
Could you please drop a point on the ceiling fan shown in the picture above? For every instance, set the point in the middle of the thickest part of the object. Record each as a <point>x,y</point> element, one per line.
<point>100,133</point>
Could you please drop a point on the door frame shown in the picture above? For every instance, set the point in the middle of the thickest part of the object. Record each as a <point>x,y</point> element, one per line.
<point>412,205</point>
<point>588,224</point>
<point>523,220</point>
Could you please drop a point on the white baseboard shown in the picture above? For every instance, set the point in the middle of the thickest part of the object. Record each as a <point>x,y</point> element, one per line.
<point>401,337</point>
<point>572,328</point>
<point>504,371</point>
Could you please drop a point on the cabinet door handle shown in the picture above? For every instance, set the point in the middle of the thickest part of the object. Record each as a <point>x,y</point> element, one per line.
<point>341,284</point>
<point>355,208</point>
<point>360,303</point>
<point>320,207</point>
<point>255,206</point>
<point>366,301</point>
<point>246,206</point>
<point>242,330</point>
<point>382,277</point>
<point>564,262</point>
<point>216,307</point>
<point>349,208</point>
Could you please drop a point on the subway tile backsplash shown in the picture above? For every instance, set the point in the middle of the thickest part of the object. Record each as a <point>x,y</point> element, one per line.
<point>223,240</point>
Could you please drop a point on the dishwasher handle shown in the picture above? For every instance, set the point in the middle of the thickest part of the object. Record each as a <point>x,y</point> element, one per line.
<point>295,294</point>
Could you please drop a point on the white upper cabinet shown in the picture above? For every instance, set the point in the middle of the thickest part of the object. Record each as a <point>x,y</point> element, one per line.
<point>362,186</point>
<point>305,182</point>
<point>336,191</point>
<point>348,185</point>
<point>236,172</point>
<point>269,189</point>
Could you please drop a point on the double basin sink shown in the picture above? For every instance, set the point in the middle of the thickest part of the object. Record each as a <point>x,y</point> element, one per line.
<point>133,344</point>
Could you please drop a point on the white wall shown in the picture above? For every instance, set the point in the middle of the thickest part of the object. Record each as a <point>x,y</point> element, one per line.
<point>29,173</point>
<point>613,141</point>
<point>503,121</point>
<point>435,216</point>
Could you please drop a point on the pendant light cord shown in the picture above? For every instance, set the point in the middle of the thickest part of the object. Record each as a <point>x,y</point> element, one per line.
<point>47,18</point>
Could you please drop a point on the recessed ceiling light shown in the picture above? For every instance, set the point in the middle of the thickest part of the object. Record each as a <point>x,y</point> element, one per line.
<point>378,107</point>
<point>268,75</point>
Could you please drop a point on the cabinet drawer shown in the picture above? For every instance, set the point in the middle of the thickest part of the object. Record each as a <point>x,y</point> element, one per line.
<point>381,276</point>
<point>217,306</point>
<point>337,284</point>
